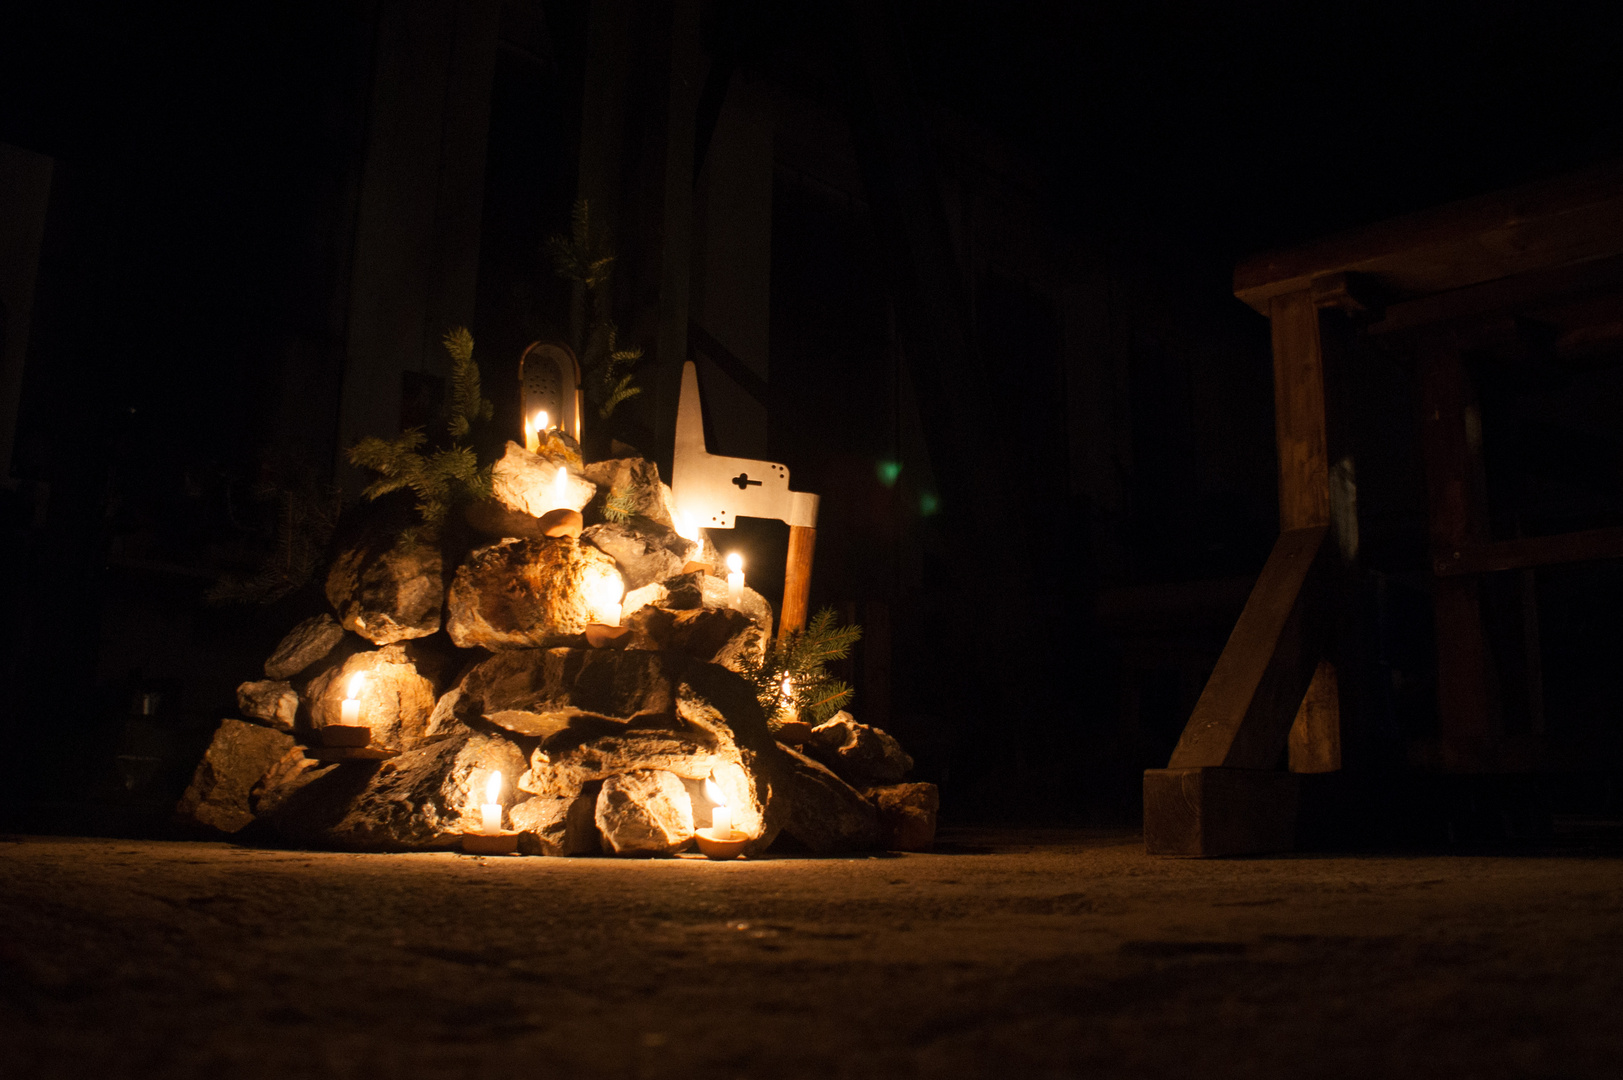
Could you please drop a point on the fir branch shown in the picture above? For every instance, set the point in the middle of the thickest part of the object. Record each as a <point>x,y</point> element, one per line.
<point>619,506</point>
<point>467,400</point>
<point>803,659</point>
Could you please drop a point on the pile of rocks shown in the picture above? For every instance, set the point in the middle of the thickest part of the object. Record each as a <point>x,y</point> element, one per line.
<point>594,667</point>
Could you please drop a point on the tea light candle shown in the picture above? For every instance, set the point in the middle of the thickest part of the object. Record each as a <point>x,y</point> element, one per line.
<point>735,579</point>
<point>490,811</point>
<point>721,815</point>
<point>349,711</point>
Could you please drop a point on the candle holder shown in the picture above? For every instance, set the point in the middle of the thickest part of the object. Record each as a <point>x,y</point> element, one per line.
<point>337,735</point>
<point>721,844</point>
<point>499,843</point>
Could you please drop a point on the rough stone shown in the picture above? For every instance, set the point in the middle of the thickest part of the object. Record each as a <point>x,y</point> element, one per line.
<point>527,482</point>
<point>825,813</point>
<point>564,764</point>
<point>527,593</point>
<point>644,550</point>
<point>238,756</point>
<point>540,691</point>
<point>396,699</point>
<point>567,826</point>
<point>647,812</point>
<point>388,587</point>
<point>863,756</point>
<point>907,815</point>
<point>637,477</point>
<point>490,518</point>
<point>304,646</point>
<point>753,770</point>
<point>793,732</point>
<point>270,700</point>
<point>292,772</point>
<point>423,799</point>
<point>711,635</point>
<point>699,590</point>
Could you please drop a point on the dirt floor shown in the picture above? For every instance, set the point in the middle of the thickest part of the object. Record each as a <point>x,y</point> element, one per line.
<point>1008,954</point>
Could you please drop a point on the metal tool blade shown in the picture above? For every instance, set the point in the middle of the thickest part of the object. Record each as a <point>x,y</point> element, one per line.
<point>712,489</point>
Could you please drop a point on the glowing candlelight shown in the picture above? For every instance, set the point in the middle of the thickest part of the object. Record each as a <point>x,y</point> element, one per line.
<point>490,811</point>
<point>560,490</point>
<point>786,697</point>
<point>349,712</point>
<point>721,815</point>
<point>735,579</point>
<point>687,527</point>
<point>534,428</point>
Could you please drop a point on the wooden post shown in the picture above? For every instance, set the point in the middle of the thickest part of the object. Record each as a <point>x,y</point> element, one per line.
<point>1467,715</point>
<point>1305,498</point>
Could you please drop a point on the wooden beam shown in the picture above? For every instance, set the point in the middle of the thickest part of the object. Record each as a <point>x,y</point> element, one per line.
<point>1315,736</point>
<point>1207,812</point>
<point>1557,222</point>
<point>1299,428</point>
<point>1245,713</point>
<point>1497,555</point>
<point>1506,297</point>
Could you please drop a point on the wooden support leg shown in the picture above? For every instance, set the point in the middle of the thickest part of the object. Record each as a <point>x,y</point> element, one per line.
<point>1315,736</point>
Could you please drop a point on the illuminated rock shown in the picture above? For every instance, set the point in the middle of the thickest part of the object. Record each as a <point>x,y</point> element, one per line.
<point>396,698</point>
<point>696,590</point>
<point>907,815</point>
<point>711,635</point>
<point>238,756</point>
<point>270,700</point>
<point>489,517</point>
<point>861,755</point>
<point>288,775</point>
<point>563,765</point>
<point>388,588</point>
<point>637,478</point>
<point>527,593</point>
<point>539,692</point>
<point>647,812</point>
<point>421,800</point>
<point>548,826</point>
<point>824,812</point>
<point>528,482</point>
<point>305,645</point>
<point>645,551</point>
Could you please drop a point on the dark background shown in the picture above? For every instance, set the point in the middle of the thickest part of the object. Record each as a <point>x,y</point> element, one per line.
<point>189,337</point>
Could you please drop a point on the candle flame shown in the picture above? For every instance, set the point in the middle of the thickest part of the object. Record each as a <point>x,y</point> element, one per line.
<point>357,683</point>
<point>713,792</point>
<point>735,563</point>
<point>540,421</point>
<point>493,787</point>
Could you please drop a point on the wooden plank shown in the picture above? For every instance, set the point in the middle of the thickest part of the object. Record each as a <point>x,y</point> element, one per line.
<point>1567,220</point>
<point>1245,713</point>
<point>1206,812</point>
<point>1528,551</point>
<point>1299,427</point>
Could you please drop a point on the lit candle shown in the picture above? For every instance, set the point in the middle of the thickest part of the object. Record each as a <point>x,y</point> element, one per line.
<point>533,430</point>
<point>721,815</point>
<point>786,697</point>
<point>349,713</point>
<point>490,811</point>
<point>560,490</point>
<point>735,579</point>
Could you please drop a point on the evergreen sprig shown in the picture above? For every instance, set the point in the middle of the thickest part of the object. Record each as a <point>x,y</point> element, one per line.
<point>619,506</point>
<point>579,257</point>
<point>814,694</point>
<point>445,477</point>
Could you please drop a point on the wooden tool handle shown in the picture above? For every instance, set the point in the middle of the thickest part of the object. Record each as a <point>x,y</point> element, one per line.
<point>797,579</point>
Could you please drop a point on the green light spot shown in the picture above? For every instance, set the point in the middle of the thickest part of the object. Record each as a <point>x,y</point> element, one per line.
<point>928,503</point>
<point>888,472</point>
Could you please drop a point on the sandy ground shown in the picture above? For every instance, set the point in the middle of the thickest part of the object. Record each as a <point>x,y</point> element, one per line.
<point>1009,954</point>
